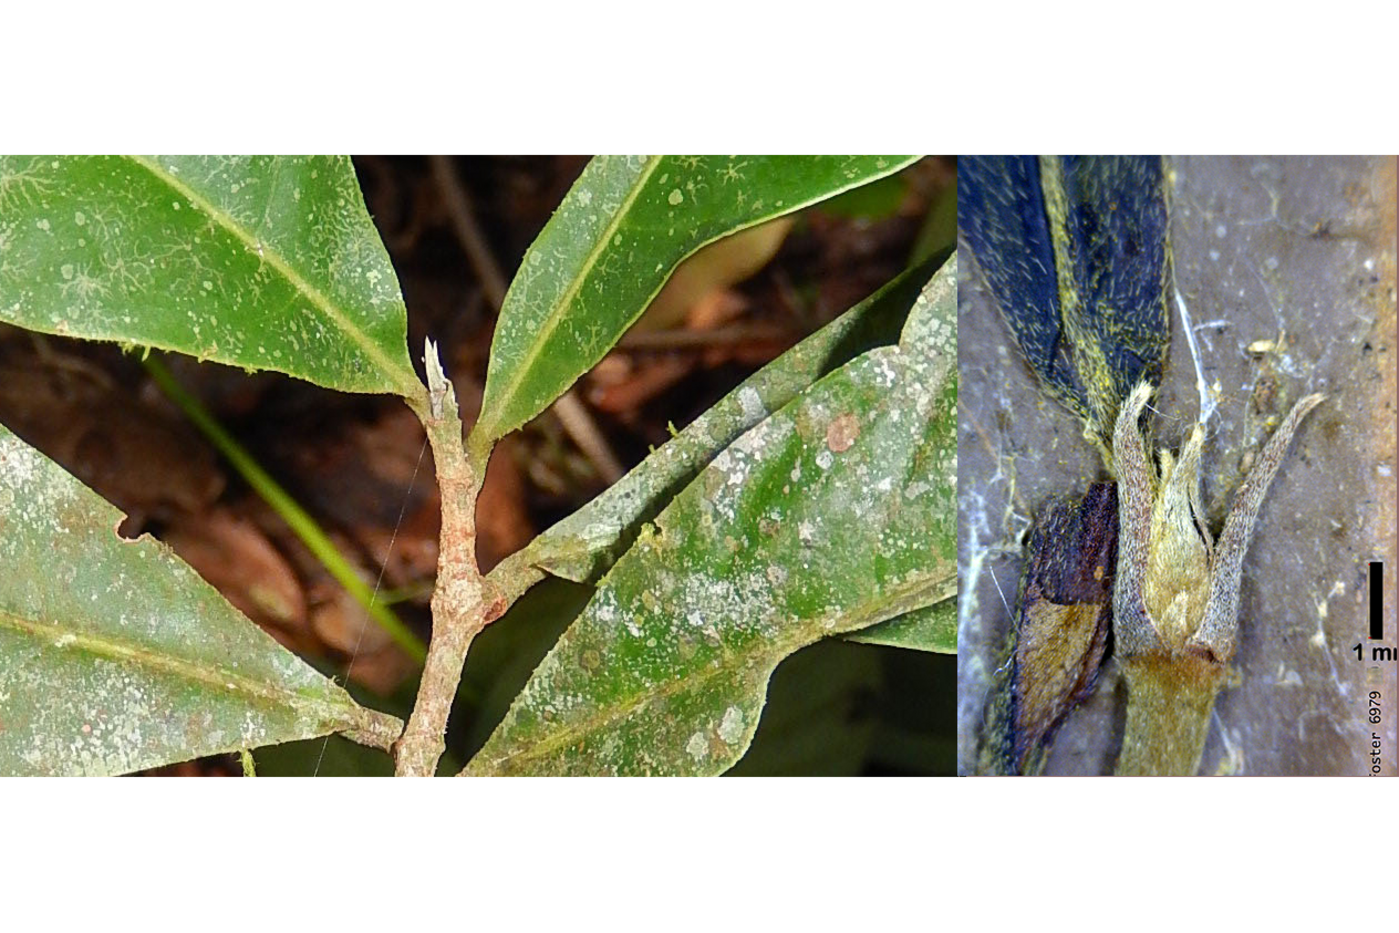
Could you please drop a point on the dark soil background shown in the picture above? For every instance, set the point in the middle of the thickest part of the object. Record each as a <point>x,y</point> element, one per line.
<point>358,465</point>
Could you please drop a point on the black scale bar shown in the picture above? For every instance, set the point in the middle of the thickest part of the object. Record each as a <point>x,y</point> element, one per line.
<point>1376,600</point>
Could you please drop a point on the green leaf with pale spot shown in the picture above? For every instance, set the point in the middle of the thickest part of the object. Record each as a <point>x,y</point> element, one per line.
<point>584,545</point>
<point>834,514</point>
<point>265,262</point>
<point>115,656</point>
<point>623,228</point>
<point>932,627</point>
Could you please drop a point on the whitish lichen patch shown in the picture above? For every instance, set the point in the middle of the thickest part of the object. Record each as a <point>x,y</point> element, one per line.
<point>115,656</point>
<point>731,726</point>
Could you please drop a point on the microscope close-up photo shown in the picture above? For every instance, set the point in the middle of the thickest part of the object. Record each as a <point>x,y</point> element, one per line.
<point>1176,449</point>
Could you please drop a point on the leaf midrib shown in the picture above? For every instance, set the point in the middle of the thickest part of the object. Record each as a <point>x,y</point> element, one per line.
<point>408,385</point>
<point>558,311</point>
<point>55,636</point>
<point>730,663</point>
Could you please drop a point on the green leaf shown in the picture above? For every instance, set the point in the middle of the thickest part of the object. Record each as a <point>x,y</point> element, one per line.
<point>116,656</point>
<point>265,262</point>
<point>878,200</point>
<point>926,332</point>
<point>835,514</point>
<point>620,232</point>
<point>931,628</point>
<point>584,545</point>
<point>816,717</point>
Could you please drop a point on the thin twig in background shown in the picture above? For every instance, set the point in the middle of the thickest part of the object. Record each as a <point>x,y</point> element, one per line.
<point>473,240</point>
<point>577,421</point>
<point>738,334</point>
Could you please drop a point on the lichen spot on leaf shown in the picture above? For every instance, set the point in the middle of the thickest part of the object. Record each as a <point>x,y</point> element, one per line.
<point>842,433</point>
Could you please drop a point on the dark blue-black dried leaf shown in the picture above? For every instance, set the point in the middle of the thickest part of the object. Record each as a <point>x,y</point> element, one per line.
<point>1075,252</point>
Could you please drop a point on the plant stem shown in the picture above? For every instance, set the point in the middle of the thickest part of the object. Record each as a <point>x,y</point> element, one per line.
<point>513,576</point>
<point>1169,702</point>
<point>460,608</point>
